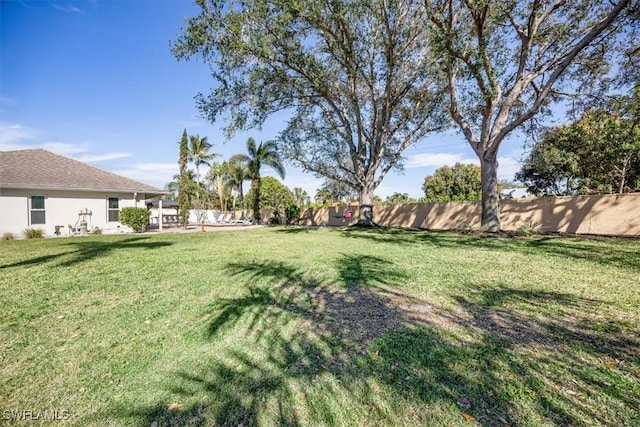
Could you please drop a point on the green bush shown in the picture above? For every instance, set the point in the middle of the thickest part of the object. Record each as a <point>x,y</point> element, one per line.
<point>136,218</point>
<point>292,213</point>
<point>527,230</point>
<point>33,233</point>
<point>276,218</point>
<point>8,236</point>
<point>469,228</point>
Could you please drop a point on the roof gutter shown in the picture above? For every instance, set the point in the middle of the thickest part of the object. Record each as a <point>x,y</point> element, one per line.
<point>90,190</point>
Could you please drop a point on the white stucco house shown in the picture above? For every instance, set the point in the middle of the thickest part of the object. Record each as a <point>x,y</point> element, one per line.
<point>40,189</point>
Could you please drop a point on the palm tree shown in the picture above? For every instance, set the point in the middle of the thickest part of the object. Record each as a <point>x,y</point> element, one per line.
<point>199,152</point>
<point>300,196</point>
<point>238,173</point>
<point>264,154</point>
<point>219,175</point>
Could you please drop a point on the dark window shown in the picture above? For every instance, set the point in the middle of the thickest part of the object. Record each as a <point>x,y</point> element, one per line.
<point>112,209</point>
<point>37,210</point>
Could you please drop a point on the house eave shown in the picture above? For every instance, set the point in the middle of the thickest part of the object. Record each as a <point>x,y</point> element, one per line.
<point>147,192</point>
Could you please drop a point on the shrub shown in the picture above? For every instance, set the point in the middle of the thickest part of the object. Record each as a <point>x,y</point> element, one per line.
<point>469,228</point>
<point>527,230</point>
<point>292,213</point>
<point>275,219</point>
<point>8,236</point>
<point>33,233</point>
<point>136,218</point>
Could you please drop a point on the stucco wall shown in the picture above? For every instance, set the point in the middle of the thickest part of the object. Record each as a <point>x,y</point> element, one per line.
<point>603,214</point>
<point>61,208</point>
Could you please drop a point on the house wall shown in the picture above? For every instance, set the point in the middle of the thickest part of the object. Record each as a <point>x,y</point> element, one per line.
<point>614,214</point>
<point>61,208</point>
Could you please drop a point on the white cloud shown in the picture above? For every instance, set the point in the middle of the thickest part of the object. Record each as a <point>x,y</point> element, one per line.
<point>67,8</point>
<point>18,137</point>
<point>89,158</point>
<point>12,134</point>
<point>157,174</point>
<point>507,167</point>
<point>425,160</point>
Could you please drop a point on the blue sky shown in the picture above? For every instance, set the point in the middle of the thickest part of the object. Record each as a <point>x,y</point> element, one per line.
<point>95,80</point>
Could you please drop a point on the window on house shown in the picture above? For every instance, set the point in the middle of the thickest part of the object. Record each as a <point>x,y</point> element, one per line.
<point>112,209</point>
<point>37,214</point>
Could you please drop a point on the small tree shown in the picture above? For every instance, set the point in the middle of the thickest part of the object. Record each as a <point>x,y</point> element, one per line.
<point>457,183</point>
<point>136,218</point>
<point>184,199</point>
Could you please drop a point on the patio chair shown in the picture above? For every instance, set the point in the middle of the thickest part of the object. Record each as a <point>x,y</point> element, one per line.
<point>244,220</point>
<point>216,217</point>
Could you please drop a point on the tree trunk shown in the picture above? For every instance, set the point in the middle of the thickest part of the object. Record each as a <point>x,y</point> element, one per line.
<point>490,205</point>
<point>255,184</point>
<point>365,218</point>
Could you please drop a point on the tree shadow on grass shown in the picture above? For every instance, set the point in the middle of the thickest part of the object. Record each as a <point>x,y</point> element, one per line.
<point>353,351</point>
<point>296,229</point>
<point>89,249</point>
<point>619,253</point>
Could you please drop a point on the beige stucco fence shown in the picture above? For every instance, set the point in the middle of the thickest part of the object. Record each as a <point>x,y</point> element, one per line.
<point>617,214</point>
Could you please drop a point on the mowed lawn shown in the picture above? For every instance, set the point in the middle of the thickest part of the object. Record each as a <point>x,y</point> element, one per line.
<point>300,326</point>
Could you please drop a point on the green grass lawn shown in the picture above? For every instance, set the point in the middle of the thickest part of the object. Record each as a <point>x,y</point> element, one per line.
<point>302,326</point>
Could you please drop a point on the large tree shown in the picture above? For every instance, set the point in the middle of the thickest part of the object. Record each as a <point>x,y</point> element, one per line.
<point>506,60</point>
<point>333,191</point>
<point>357,78</point>
<point>266,154</point>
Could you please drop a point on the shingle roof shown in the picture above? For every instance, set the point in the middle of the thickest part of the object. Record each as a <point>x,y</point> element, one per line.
<point>44,170</point>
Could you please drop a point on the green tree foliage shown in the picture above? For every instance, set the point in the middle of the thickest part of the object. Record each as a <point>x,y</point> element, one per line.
<point>301,197</point>
<point>332,192</point>
<point>238,173</point>
<point>273,195</point>
<point>136,218</point>
<point>506,60</point>
<point>266,153</point>
<point>399,199</point>
<point>358,77</point>
<point>219,175</point>
<point>184,186</point>
<point>600,153</point>
<point>457,183</point>
<point>200,153</point>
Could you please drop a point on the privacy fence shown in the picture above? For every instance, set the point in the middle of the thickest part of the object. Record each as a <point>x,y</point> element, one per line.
<point>602,214</point>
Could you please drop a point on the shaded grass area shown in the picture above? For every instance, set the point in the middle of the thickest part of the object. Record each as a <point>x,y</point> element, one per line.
<point>322,327</point>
